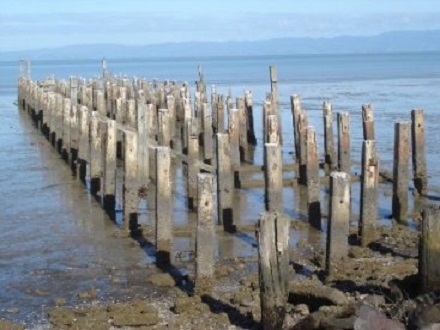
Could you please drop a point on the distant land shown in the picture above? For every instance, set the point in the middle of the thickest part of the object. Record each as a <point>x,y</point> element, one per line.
<point>389,42</point>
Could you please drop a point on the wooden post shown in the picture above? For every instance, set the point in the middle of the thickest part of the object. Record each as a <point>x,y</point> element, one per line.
<point>250,118</point>
<point>369,186</point>
<point>171,106</point>
<point>67,106</point>
<point>74,138</point>
<point>273,170</point>
<point>220,114</point>
<point>143,148</point>
<point>164,209</point>
<point>368,122</point>
<point>400,171</point>
<point>192,164</point>
<point>131,113</point>
<point>338,222</point>
<point>84,142</point>
<point>164,133</point>
<point>225,183</point>
<point>429,259</point>
<point>204,268</point>
<point>108,136</point>
<point>101,107</point>
<point>418,152</point>
<point>207,134</point>
<point>95,154</point>
<point>313,183</point>
<point>59,115</point>
<point>329,147</point>
<point>302,141</point>
<point>234,138</point>
<point>272,129</point>
<point>273,253</point>
<point>130,193</point>
<point>344,155</point>
<point>51,103</point>
<point>242,130</point>
<point>214,99</point>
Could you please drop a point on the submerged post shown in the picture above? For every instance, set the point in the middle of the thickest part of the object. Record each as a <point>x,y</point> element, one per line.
<point>339,221</point>
<point>400,171</point>
<point>273,253</point>
<point>204,270</point>
<point>369,186</point>
<point>418,152</point>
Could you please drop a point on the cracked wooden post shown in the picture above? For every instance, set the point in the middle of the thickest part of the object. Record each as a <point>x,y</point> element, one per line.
<point>84,142</point>
<point>95,154</point>
<point>400,171</point>
<point>344,155</point>
<point>272,129</point>
<point>51,117</point>
<point>273,253</point>
<point>368,122</point>
<point>207,134</point>
<point>234,138</point>
<point>118,118</point>
<point>192,163</point>
<point>171,106</point>
<point>329,147</point>
<point>338,222</point>
<point>275,98</point>
<point>205,235</point>
<point>164,209</point>
<point>108,136</point>
<point>312,175</point>
<point>225,183</point>
<point>130,195</point>
<point>273,174</point>
<point>249,103</point>
<point>59,119</point>
<point>131,113</point>
<point>418,152</point>
<point>214,100</point>
<point>369,187</point>
<point>429,258</point>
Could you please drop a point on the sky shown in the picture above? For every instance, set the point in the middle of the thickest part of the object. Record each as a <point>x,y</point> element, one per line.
<point>31,24</point>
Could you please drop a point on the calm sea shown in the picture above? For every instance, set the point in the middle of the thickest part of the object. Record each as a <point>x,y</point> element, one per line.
<point>56,242</point>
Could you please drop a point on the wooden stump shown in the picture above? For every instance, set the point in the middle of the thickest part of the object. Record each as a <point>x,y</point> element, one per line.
<point>429,259</point>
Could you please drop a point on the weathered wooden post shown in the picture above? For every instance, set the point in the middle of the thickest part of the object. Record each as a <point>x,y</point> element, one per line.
<point>369,186</point>
<point>67,106</point>
<point>302,136</point>
<point>274,97</point>
<point>273,253</point>
<point>207,134</point>
<point>249,103</point>
<point>329,147</point>
<point>205,236</point>
<point>84,142</point>
<point>272,129</point>
<point>101,106</point>
<point>242,130</point>
<point>344,154</point>
<point>74,138</point>
<point>143,111</point>
<point>164,132</point>
<point>312,175</point>
<point>429,259</point>
<point>234,138</point>
<point>192,163</point>
<point>131,114</point>
<point>108,137</point>
<point>59,119</point>
<point>273,174</point>
<point>225,182</point>
<point>400,171</point>
<point>130,193</point>
<point>164,209</point>
<point>338,222</point>
<point>95,154</point>
<point>220,114</point>
<point>368,122</point>
<point>418,152</point>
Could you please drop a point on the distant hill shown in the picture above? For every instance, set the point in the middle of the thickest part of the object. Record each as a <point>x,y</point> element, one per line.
<point>389,42</point>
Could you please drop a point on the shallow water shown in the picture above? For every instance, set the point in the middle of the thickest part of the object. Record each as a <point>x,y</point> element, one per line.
<point>55,240</point>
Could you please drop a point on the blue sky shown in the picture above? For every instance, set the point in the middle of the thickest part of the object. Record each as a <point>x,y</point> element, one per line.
<point>28,24</point>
